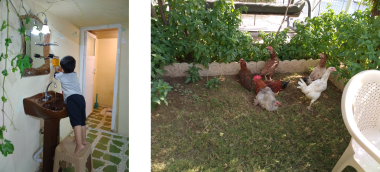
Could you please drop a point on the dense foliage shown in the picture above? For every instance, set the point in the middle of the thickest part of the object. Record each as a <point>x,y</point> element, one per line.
<point>199,35</point>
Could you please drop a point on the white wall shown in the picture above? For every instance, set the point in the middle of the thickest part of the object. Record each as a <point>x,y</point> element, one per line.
<point>26,138</point>
<point>105,71</point>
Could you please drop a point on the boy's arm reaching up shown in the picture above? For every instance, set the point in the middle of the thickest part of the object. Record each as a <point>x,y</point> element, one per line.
<point>57,70</point>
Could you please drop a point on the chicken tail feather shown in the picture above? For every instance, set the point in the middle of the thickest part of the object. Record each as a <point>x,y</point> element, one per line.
<point>305,79</point>
<point>284,84</point>
<point>302,85</point>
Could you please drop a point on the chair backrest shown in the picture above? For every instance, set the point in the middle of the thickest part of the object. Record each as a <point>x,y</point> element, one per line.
<point>361,101</point>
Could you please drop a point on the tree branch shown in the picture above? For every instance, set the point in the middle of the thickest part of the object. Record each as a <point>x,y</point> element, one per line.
<point>153,11</point>
<point>162,12</point>
<point>170,8</point>
<point>375,11</point>
<point>286,12</point>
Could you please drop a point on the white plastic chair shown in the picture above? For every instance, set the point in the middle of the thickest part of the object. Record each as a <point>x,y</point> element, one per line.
<point>361,111</point>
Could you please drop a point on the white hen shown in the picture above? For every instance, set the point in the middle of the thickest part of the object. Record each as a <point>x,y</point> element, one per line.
<point>313,91</point>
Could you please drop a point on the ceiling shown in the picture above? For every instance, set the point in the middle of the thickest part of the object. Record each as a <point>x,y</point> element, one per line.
<point>105,33</point>
<point>95,12</point>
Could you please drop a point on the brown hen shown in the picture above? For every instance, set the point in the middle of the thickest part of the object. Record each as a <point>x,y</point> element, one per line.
<point>318,71</point>
<point>245,75</point>
<point>270,65</point>
<point>275,86</point>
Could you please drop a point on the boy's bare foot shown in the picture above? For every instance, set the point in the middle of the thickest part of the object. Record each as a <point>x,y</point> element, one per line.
<point>78,149</point>
<point>84,142</point>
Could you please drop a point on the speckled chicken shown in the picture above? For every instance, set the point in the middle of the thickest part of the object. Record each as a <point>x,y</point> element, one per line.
<point>318,71</point>
<point>265,96</point>
<point>266,99</point>
<point>245,75</point>
<point>271,65</point>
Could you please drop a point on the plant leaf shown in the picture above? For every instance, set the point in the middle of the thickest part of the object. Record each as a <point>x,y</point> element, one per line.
<point>3,26</point>
<point>3,99</point>
<point>156,100</point>
<point>27,19</point>
<point>7,42</point>
<point>188,80</point>
<point>6,148</point>
<point>5,72</point>
<point>22,64</point>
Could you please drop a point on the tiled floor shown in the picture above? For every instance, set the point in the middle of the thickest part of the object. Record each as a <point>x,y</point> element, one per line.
<point>110,152</point>
<point>98,120</point>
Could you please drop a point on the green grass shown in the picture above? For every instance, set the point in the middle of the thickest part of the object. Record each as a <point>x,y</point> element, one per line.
<point>221,130</point>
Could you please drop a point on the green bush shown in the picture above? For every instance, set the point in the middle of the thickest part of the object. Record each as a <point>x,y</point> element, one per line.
<point>198,35</point>
<point>193,74</point>
<point>159,91</point>
<point>212,83</point>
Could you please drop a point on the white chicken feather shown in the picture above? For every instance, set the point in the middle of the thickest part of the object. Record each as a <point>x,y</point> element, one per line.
<point>314,90</point>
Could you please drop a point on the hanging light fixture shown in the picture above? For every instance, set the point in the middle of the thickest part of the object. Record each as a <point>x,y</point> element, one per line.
<point>45,27</point>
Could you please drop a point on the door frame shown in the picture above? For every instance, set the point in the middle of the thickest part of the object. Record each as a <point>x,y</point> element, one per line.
<point>82,65</point>
<point>90,57</point>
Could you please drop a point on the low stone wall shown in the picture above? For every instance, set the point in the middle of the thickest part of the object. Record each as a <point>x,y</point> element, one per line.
<point>216,69</point>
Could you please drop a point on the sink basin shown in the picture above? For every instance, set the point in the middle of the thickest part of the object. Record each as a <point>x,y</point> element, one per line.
<point>54,108</point>
<point>52,111</point>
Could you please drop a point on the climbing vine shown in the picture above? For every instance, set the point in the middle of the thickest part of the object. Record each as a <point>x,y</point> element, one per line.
<point>22,62</point>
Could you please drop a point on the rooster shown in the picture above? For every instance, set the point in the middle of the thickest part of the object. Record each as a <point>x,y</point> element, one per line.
<point>245,75</point>
<point>318,70</point>
<point>270,65</point>
<point>259,84</point>
<point>275,86</point>
<point>314,90</point>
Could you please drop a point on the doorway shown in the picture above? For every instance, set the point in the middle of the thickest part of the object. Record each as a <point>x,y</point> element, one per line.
<point>99,61</point>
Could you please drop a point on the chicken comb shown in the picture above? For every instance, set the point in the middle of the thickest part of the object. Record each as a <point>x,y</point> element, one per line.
<point>257,77</point>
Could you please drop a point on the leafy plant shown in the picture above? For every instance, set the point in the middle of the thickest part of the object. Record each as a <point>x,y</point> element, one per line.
<point>199,35</point>
<point>310,69</point>
<point>194,74</point>
<point>212,83</point>
<point>159,91</point>
<point>6,147</point>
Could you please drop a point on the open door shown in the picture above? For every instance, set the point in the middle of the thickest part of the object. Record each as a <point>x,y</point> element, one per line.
<point>89,46</point>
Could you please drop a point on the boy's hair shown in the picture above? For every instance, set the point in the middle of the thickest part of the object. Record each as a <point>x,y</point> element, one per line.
<point>68,64</point>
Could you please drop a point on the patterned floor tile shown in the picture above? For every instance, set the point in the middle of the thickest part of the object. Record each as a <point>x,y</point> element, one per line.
<point>97,154</point>
<point>105,134</point>
<point>117,137</point>
<point>118,143</point>
<point>110,152</point>
<point>104,140</point>
<point>114,149</point>
<point>110,168</point>
<point>112,158</point>
<point>97,163</point>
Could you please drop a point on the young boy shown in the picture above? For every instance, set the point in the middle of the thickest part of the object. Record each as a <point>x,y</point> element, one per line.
<point>76,105</point>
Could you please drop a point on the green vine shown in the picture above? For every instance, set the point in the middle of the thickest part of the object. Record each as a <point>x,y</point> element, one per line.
<point>22,62</point>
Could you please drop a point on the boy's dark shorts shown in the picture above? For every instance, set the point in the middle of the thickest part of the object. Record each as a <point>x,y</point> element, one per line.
<point>76,110</point>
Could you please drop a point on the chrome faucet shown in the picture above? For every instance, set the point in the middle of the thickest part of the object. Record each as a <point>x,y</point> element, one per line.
<point>47,97</point>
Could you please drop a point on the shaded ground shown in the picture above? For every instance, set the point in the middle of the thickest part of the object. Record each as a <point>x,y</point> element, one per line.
<point>221,130</point>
